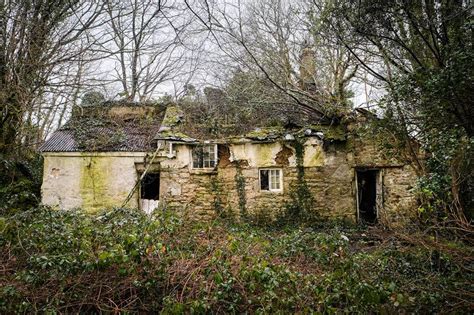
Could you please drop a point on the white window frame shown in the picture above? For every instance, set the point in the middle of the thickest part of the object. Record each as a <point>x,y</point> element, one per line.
<point>270,188</point>
<point>171,153</point>
<point>204,146</point>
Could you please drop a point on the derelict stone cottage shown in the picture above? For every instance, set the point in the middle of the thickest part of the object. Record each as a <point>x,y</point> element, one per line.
<point>141,155</point>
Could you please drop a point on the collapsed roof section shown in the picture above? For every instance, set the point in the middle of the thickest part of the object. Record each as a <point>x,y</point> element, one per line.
<point>173,128</point>
<point>136,127</point>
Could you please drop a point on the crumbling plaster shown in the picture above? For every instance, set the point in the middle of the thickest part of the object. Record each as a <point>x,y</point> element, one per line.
<point>98,180</point>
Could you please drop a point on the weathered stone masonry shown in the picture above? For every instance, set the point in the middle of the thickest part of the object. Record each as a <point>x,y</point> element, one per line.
<point>329,174</point>
<point>331,160</point>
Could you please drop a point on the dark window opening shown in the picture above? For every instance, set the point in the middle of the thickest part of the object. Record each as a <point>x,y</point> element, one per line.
<point>367,195</point>
<point>264,183</point>
<point>270,179</point>
<point>150,186</point>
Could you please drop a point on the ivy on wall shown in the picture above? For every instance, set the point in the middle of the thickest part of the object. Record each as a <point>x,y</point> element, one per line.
<point>216,188</point>
<point>300,205</point>
<point>240,186</point>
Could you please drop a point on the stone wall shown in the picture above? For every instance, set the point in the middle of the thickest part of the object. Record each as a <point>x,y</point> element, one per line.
<point>234,186</point>
<point>94,181</point>
<point>398,194</point>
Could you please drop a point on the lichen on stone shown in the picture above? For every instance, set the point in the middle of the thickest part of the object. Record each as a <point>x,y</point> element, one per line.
<point>331,132</point>
<point>265,133</point>
<point>173,116</point>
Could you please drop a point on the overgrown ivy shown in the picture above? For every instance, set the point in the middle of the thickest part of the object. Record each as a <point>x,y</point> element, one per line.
<point>240,186</point>
<point>57,261</point>
<point>301,201</point>
<point>216,188</point>
<point>20,183</point>
<point>96,141</point>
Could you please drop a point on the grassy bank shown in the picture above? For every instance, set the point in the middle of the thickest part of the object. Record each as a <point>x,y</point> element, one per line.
<point>122,260</point>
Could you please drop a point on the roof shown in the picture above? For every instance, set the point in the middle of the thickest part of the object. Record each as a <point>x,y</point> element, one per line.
<point>128,127</point>
<point>112,128</point>
<point>174,128</point>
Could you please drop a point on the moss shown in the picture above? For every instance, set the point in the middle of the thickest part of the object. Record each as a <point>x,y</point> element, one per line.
<point>333,132</point>
<point>265,133</point>
<point>171,134</point>
<point>173,116</point>
<point>313,157</point>
<point>93,184</point>
<point>264,154</point>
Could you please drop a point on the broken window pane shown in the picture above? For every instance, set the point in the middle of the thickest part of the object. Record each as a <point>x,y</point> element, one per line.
<point>264,180</point>
<point>270,179</point>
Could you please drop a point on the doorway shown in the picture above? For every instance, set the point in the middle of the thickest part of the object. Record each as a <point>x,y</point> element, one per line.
<point>150,192</point>
<point>367,181</point>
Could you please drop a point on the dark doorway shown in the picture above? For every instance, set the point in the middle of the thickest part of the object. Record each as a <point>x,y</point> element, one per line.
<point>150,186</point>
<point>367,195</point>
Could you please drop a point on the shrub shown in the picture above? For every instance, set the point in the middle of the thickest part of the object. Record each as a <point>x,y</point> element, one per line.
<point>123,260</point>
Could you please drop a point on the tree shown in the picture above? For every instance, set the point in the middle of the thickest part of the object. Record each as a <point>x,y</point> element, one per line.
<point>150,44</point>
<point>37,39</point>
<point>288,47</point>
<point>423,52</point>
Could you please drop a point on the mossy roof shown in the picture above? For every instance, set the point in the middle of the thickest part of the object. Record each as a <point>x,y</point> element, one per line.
<point>97,131</point>
<point>174,128</point>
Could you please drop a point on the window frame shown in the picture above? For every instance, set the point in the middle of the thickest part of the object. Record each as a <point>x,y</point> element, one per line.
<point>270,189</point>
<point>205,145</point>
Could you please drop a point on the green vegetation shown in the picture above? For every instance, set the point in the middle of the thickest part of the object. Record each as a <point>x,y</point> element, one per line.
<point>302,201</point>
<point>20,183</point>
<point>240,186</point>
<point>96,141</point>
<point>123,260</point>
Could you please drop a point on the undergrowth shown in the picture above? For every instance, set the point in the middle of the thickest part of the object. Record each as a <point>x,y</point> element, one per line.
<point>122,260</point>
<point>20,183</point>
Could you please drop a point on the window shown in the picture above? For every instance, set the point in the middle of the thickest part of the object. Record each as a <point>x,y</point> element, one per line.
<point>205,156</point>
<point>271,180</point>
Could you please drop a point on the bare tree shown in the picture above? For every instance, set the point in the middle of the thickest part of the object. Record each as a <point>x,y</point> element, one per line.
<point>149,39</point>
<point>37,38</point>
<point>288,45</point>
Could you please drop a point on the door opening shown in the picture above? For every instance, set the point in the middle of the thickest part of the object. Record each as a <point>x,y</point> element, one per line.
<point>367,195</point>
<point>150,192</point>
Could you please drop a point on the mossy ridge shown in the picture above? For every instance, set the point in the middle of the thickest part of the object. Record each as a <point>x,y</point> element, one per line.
<point>174,135</point>
<point>173,116</point>
<point>265,133</point>
<point>331,132</point>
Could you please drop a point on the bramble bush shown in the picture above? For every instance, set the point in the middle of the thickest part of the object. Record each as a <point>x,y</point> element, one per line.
<point>20,183</point>
<point>123,260</point>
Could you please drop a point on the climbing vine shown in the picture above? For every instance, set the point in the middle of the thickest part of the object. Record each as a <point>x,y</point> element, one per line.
<point>240,186</point>
<point>216,188</point>
<point>301,201</point>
